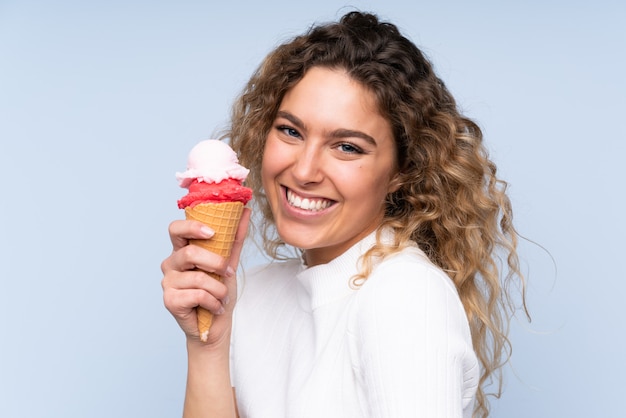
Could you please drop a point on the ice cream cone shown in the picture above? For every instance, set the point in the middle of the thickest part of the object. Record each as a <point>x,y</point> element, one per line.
<point>223,218</point>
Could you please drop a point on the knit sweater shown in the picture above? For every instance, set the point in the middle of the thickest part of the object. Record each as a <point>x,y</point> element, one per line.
<point>307,344</point>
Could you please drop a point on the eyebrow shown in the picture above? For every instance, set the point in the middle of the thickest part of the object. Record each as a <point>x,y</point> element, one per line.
<point>339,133</point>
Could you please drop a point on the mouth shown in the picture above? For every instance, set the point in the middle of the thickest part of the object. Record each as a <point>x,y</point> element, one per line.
<point>307,203</point>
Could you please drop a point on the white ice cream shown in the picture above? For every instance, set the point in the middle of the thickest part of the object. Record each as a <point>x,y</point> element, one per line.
<point>212,161</point>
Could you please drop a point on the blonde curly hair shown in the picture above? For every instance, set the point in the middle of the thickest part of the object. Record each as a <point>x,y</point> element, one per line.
<point>449,200</point>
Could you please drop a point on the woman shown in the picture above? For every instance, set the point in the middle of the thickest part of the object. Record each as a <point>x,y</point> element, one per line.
<point>360,160</point>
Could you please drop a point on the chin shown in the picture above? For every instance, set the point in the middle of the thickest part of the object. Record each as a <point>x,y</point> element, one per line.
<point>298,238</point>
<point>299,242</point>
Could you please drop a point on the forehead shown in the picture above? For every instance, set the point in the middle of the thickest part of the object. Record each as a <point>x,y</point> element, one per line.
<point>329,91</point>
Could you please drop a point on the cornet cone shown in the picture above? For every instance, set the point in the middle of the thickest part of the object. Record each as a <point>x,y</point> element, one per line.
<point>223,218</point>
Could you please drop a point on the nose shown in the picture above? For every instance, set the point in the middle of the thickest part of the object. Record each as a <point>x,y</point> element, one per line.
<point>307,167</point>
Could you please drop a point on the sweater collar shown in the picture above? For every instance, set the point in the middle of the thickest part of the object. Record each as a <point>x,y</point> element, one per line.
<point>326,283</point>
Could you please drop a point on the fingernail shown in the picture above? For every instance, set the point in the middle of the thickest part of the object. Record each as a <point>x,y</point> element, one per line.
<point>230,272</point>
<point>220,311</point>
<point>207,232</point>
<point>226,300</point>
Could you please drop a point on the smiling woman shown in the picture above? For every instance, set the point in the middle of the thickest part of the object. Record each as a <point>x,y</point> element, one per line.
<point>359,159</point>
<point>328,165</point>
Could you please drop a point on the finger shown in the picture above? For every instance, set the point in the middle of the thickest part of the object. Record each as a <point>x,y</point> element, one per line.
<point>181,231</point>
<point>183,303</point>
<point>192,257</point>
<point>199,289</point>
<point>195,280</point>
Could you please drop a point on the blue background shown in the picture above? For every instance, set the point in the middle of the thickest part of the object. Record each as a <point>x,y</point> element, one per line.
<point>100,103</point>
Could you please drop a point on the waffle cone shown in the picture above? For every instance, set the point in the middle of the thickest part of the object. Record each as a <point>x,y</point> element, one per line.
<point>223,218</point>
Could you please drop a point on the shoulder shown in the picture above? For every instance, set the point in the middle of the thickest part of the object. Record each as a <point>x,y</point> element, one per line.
<point>408,291</point>
<point>410,340</point>
<point>408,270</point>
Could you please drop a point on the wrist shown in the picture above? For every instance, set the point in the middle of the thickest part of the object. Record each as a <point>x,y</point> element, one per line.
<point>211,349</point>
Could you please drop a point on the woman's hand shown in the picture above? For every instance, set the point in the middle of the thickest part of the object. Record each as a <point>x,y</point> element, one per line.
<point>186,285</point>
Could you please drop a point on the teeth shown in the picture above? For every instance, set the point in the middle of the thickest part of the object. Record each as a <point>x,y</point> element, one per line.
<point>306,203</point>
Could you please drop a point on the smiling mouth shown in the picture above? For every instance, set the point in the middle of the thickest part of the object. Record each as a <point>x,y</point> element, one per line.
<point>306,203</point>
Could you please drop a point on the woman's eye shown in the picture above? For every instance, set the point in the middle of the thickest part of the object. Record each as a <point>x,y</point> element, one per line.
<point>349,148</point>
<point>289,131</point>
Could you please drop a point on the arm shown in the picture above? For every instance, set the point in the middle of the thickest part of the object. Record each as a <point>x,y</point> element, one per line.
<point>209,392</point>
<point>415,351</point>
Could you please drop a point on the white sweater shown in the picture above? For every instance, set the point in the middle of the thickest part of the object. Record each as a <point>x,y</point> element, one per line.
<point>305,344</point>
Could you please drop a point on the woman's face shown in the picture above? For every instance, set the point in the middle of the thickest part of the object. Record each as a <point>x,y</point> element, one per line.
<point>327,166</point>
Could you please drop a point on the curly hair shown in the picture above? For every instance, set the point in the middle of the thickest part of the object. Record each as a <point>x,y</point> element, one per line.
<point>449,200</point>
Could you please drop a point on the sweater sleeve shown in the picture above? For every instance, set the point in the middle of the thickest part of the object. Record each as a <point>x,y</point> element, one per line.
<point>411,346</point>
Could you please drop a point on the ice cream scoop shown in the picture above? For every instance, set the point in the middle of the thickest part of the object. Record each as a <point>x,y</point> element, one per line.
<point>212,161</point>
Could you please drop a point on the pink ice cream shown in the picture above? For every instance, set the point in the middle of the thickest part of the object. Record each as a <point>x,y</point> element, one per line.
<point>213,175</point>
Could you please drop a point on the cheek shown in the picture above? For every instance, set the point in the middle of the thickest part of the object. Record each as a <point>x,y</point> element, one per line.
<point>365,184</point>
<point>358,180</point>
